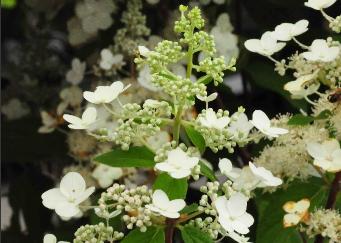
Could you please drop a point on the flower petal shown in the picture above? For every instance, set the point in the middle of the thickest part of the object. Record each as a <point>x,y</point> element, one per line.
<point>52,198</point>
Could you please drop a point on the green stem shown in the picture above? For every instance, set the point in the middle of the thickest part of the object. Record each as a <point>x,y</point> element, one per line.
<point>181,220</point>
<point>177,124</point>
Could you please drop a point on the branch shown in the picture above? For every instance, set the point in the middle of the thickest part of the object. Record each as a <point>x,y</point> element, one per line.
<point>170,229</point>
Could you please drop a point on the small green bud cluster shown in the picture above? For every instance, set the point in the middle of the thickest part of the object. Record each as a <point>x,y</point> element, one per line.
<point>99,233</point>
<point>335,24</point>
<point>131,201</point>
<point>188,22</point>
<point>162,153</point>
<point>210,194</point>
<point>207,225</point>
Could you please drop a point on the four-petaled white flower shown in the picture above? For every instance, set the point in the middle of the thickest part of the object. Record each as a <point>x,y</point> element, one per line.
<point>319,4</point>
<point>105,175</point>
<point>76,74</point>
<point>301,85</point>
<point>88,119</point>
<point>226,168</point>
<point>265,177</point>
<point>232,214</point>
<point>212,121</point>
<point>144,51</point>
<point>296,212</point>
<point>105,94</point>
<point>320,51</point>
<point>286,31</point>
<point>162,205</point>
<point>261,121</point>
<point>240,126</point>
<point>51,238</point>
<point>209,98</point>
<point>108,59</point>
<point>66,198</point>
<point>178,164</point>
<point>267,45</point>
<point>326,155</point>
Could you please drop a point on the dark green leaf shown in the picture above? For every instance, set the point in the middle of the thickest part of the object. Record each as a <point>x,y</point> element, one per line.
<point>206,171</point>
<point>300,120</point>
<point>323,115</point>
<point>134,157</point>
<point>190,208</point>
<point>196,138</point>
<point>174,188</point>
<point>191,234</point>
<point>205,79</point>
<point>152,235</point>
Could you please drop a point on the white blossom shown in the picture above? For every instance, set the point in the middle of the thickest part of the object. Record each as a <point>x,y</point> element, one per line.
<point>240,126</point>
<point>265,176</point>
<point>246,181</point>
<point>208,98</point>
<point>320,51</point>
<point>50,238</point>
<point>162,205</point>
<point>295,212</point>
<point>212,121</point>
<point>76,74</point>
<point>267,45</point>
<point>108,59</point>
<point>319,4</point>
<point>105,94</point>
<point>178,164</point>
<point>232,214</point>
<point>261,121</point>
<point>144,51</point>
<point>302,86</point>
<point>145,79</point>
<point>88,118</point>
<point>326,155</point>
<point>227,169</point>
<point>66,198</point>
<point>105,175</point>
<point>286,31</point>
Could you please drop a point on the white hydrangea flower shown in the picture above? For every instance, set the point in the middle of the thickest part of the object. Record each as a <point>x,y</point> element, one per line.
<point>264,176</point>
<point>299,86</point>
<point>49,123</point>
<point>208,98</point>
<point>212,121</point>
<point>319,4</point>
<point>14,109</point>
<point>320,51</point>
<point>227,169</point>
<point>105,175</point>
<point>240,126</point>
<point>326,155</point>
<point>162,205</point>
<point>178,164</point>
<point>267,45</point>
<point>105,94</point>
<point>66,198</point>
<point>108,59</point>
<point>88,118</point>
<point>261,121</point>
<point>287,31</point>
<point>76,74</point>
<point>144,79</point>
<point>72,96</point>
<point>232,214</point>
<point>144,51</point>
<point>51,238</point>
<point>296,212</point>
<point>246,181</point>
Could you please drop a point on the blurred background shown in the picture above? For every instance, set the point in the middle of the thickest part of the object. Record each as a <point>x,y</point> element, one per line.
<point>39,41</point>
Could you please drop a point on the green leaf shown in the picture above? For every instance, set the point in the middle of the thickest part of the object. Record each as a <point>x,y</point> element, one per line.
<point>206,171</point>
<point>205,79</point>
<point>196,138</point>
<point>134,157</point>
<point>270,221</point>
<point>190,208</point>
<point>300,120</point>
<point>174,188</point>
<point>191,234</point>
<point>323,115</point>
<point>152,235</point>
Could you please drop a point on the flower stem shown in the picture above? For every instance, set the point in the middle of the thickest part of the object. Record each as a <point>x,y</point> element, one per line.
<point>300,44</point>
<point>181,220</point>
<point>169,230</point>
<point>177,124</point>
<point>326,16</point>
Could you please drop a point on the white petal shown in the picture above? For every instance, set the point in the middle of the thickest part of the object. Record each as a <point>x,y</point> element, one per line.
<point>291,220</point>
<point>315,150</point>
<point>277,130</point>
<point>144,51</point>
<point>91,97</point>
<point>52,198</point>
<point>160,198</point>
<point>50,238</point>
<point>178,174</point>
<point>237,204</point>
<point>82,197</point>
<point>89,115</point>
<point>67,210</point>
<point>176,205</point>
<point>260,119</point>
<point>225,166</point>
<point>72,119</point>
<point>164,166</point>
<point>72,185</point>
<point>302,205</point>
<point>117,86</point>
<point>252,45</point>
<point>226,223</point>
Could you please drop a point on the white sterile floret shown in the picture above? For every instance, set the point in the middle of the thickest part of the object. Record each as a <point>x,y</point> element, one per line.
<point>267,45</point>
<point>209,98</point>
<point>51,238</point>
<point>265,176</point>
<point>144,78</point>
<point>76,74</point>
<point>211,120</point>
<point>240,126</point>
<point>66,198</point>
<point>144,51</point>
<point>232,214</point>
<point>226,168</point>
<point>286,31</point>
<point>320,51</point>
<point>178,164</point>
<point>162,205</point>
<point>296,212</point>
<point>298,86</point>
<point>105,94</point>
<point>88,119</point>
<point>108,59</point>
<point>105,175</point>
<point>261,121</point>
<point>326,155</point>
<point>319,4</point>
